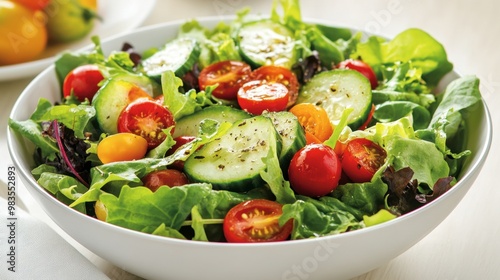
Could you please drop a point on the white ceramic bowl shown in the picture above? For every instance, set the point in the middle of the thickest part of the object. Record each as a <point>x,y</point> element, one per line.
<point>335,257</point>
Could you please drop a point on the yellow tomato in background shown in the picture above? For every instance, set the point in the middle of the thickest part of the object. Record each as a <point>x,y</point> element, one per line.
<point>91,4</point>
<point>23,36</point>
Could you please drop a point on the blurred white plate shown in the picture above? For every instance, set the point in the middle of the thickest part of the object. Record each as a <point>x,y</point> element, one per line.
<point>117,17</point>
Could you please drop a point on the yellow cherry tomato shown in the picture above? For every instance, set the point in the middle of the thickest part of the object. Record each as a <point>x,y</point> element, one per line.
<point>23,35</point>
<point>122,147</point>
<point>101,212</point>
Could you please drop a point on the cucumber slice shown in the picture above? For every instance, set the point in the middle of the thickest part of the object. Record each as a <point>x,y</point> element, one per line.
<point>189,125</point>
<point>293,137</point>
<point>110,101</point>
<point>179,56</point>
<point>267,42</point>
<point>336,90</point>
<point>234,161</point>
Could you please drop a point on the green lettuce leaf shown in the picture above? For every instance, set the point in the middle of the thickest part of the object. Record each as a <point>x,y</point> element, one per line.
<point>413,45</point>
<point>309,221</point>
<point>143,210</point>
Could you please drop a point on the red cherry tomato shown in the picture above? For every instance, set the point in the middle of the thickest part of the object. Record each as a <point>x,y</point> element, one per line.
<point>256,221</point>
<point>258,96</point>
<point>166,177</point>
<point>362,68</point>
<point>179,141</point>
<point>82,82</point>
<point>361,159</point>
<point>315,170</point>
<point>278,74</point>
<point>146,118</point>
<point>34,4</point>
<point>230,75</point>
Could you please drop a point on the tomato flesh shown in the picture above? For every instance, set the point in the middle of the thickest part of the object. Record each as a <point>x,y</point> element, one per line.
<point>256,220</point>
<point>315,170</point>
<point>146,118</point>
<point>229,75</point>
<point>279,74</point>
<point>361,159</point>
<point>258,96</point>
<point>362,68</point>
<point>314,120</point>
<point>82,82</point>
<point>166,177</point>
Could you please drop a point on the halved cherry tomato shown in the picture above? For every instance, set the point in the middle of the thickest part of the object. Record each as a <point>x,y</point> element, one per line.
<point>314,119</point>
<point>230,75</point>
<point>256,220</point>
<point>82,82</point>
<point>361,159</point>
<point>315,170</point>
<point>179,141</point>
<point>121,147</point>
<point>146,118</point>
<point>311,139</point>
<point>258,96</point>
<point>278,74</point>
<point>166,177</point>
<point>362,68</point>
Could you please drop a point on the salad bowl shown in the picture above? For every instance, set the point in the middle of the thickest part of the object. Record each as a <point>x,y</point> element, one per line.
<point>149,256</point>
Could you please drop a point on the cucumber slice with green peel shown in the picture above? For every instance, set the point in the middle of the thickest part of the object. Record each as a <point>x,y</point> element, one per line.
<point>293,137</point>
<point>110,101</point>
<point>147,84</point>
<point>267,42</point>
<point>234,161</point>
<point>336,90</point>
<point>178,55</point>
<point>190,125</point>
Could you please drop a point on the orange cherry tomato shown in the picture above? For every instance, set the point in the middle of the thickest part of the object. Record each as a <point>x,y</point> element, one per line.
<point>314,119</point>
<point>122,147</point>
<point>23,36</point>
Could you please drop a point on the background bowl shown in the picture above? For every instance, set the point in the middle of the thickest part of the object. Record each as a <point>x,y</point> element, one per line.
<point>334,257</point>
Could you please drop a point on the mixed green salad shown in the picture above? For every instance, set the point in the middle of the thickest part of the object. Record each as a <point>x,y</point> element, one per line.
<point>236,114</point>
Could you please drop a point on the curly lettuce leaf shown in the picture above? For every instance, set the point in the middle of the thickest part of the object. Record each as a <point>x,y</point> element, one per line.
<point>309,220</point>
<point>413,45</point>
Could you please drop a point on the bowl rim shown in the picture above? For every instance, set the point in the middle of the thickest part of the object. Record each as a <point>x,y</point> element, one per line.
<point>472,168</point>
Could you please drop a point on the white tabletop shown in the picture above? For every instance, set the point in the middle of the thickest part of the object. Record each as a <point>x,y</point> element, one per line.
<point>466,244</point>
